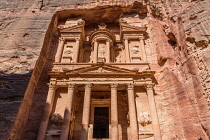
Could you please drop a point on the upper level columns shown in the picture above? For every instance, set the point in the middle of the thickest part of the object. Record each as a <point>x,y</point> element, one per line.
<point>47,112</point>
<point>95,58</point>
<point>108,51</point>
<point>143,51</point>
<point>59,50</point>
<point>76,55</point>
<point>153,111</point>
<point>132,113</point>
<point>127,53</point>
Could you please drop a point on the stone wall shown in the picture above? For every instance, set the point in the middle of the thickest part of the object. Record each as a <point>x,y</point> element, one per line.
<point>179,32</point>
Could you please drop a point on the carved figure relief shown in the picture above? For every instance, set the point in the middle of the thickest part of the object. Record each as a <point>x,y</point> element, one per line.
<point>56,118</point>
<point>68,54</point>
<point>101,52</point>
<point>144,118</point>
<point>135,50</point>
<point>118,56</point>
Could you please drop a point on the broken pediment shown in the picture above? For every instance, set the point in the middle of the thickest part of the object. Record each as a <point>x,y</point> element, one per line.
<point>76,28</point>
<point>125,28</point>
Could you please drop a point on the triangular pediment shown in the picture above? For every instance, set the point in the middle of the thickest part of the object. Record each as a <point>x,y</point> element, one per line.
<point>101,69</point>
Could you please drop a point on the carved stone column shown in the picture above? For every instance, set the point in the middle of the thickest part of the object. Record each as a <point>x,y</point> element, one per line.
<point>153,111</point>
<point>108,51</point>
<point>132,112</point>
<point>59,50</point>
<point>95,52</point>
<point>47,112</point>
<point>114,112</point>
<point>67,113</point>
<point>127,53</point>
<point>144,57</point>
<point>86,112</point>
<point>76,50</point>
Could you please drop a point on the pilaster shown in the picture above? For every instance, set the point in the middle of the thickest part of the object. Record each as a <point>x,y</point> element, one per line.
<point>153,111</point>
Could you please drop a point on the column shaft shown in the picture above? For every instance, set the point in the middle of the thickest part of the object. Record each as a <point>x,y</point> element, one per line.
<point>95,52</point>
<point>59,51</point>
<point>153,112</point>
<point>114,112</point>
<point>143,51</point>
<point>127,53</point>
<point>132,113</point>
<point>47,112</point>
<point>108,51</point>
<point>76,56</point>
<point>67,113</point>
<point>86,112</point>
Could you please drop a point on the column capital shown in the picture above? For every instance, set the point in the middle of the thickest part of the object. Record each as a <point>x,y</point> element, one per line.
<point>130,86</point>
<point>108,40</point>
<point>113,86</point>
<point>61,39</point>
<point>125,38</point>
<point>71,86</point>
<point>52,86</point>
<point>88,86</point>
<point>149,86</point>
<point>77,39</point>
<point>141,37</point>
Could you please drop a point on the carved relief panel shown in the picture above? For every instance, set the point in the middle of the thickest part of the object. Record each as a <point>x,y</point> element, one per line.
<point>102,51</point>
<point>87,56</point>
<point>143,113</point>
<point>68,52</point>
<point>135,51</point>
<point>118,53</point>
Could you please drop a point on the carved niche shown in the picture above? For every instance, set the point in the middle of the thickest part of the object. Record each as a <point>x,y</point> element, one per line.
<point>135,51</point>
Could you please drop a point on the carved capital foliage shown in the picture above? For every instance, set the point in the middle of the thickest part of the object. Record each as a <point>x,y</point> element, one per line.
<point>71,86</point>
<point>88,86</point>
<point>61,39</point>
<point>141,37</point>
<point>125,38</point>
<point>113,86</point>
<point>52,86</point>
<point>77,39</point>
<point>130,86</point>
<point>149,86</point>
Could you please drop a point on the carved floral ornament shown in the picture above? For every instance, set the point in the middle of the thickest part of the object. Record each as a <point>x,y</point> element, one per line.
<point>52,86</point>
<point>130,86</point>
<point>113,86</point>
<point>88,86</point>
<point>149,86</point>
<point>71,86</point>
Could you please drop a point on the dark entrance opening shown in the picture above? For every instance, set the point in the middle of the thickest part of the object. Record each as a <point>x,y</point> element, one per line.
<point>101,122</point>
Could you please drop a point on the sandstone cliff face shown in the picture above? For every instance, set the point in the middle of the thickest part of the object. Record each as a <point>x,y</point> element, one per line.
<point>178,30</point>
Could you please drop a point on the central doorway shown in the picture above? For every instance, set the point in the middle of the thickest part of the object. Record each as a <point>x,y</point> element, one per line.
<point>101,122</point>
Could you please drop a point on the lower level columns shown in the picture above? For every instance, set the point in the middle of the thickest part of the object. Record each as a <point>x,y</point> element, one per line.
<point>114,112</point>
<point>153,111</point>
<point>132,113</point>
<point>86,112</point>
<point>47,111</point>
<point>67,113</point>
